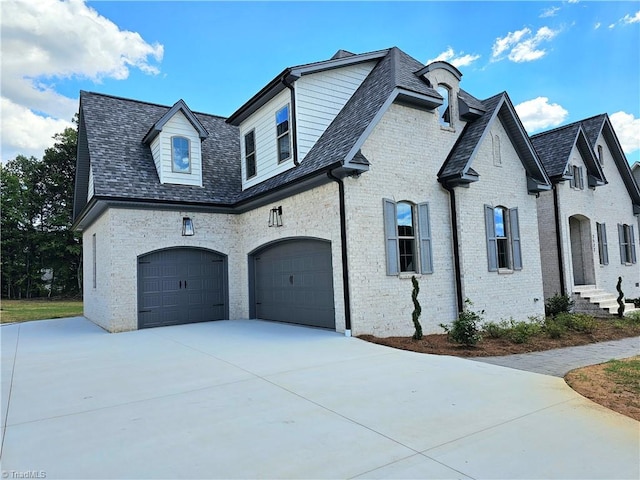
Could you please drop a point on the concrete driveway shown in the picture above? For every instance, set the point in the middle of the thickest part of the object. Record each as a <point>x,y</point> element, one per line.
<point>251,399</point>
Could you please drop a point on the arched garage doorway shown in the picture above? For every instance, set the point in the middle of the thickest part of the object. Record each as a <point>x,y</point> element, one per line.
<point>181,285</point>
<point>292,281</point>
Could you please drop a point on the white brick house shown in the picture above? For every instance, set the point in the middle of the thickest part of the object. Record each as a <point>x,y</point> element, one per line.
<point>588,222</point>
<point>314,203</point>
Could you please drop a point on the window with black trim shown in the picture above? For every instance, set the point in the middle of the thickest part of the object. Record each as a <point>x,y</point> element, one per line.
<point>180,155</point>
<point>603,248</point>
<point>503,238</point>
<point>282,134</point>
<point>250,154</point>
<point>407,237</point>
<point>627,241</point>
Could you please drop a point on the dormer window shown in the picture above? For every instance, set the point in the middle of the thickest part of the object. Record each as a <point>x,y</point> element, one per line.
<point>282,134</point>
<point>444,111</point>
<point>180,155</point>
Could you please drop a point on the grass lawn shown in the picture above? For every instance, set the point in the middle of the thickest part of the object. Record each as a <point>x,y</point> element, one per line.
<point>615,384</point>
<point>26,310</point>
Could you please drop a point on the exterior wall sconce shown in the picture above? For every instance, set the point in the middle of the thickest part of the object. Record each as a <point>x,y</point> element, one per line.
<point>275,217</point>
<point>187,227</point>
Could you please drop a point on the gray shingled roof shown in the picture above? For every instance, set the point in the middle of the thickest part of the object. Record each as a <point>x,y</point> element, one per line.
<point>123,167</point>
<point>593,126</point>
<point>459,161</point>
<point>554,148</point>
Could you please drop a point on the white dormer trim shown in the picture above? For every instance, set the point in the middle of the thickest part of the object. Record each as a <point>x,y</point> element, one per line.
<point>179,121</point>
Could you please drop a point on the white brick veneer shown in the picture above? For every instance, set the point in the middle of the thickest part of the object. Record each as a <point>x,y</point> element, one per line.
<point>124,234</point>
<point>406,150</point>
<point>609,204</point>
<point>517,294</point>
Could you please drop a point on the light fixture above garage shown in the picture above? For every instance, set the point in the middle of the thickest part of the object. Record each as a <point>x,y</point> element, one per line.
<point>275,217</point>
<point>187,227</point>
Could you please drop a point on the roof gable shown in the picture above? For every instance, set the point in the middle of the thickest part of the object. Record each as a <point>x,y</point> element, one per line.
<point>554,149</point>
<point>457,169</point>
<point>179,106</point>
<point>555,146</point>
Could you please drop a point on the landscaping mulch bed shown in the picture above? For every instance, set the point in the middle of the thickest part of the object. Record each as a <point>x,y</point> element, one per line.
<point>438,344</point>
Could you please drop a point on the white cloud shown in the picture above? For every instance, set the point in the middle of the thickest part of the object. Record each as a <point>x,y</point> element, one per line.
<point>549,12</point>
<point>627,129</point>
<point>49,40</point>
<point>522,45</point>
<point>457,60</point>
<point>631,19</point>
<point>538,113</point>
<point>627,20</point>
<point>25,133</point>
<point>597,25</point>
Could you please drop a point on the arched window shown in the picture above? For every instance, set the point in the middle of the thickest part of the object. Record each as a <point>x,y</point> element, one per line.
<point>444,110</point>
<point>180,155</point>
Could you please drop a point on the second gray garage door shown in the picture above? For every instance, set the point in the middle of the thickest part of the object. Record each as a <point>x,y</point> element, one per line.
<point>293,282</point>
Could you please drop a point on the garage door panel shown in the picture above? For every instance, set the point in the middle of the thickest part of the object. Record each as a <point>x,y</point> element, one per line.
<point>181,285</point>
<point>293,283</point>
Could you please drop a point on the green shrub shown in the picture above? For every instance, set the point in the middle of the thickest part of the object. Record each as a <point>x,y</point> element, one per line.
<point>554,330</point>
<point>556,326</point>
<point>558,304</point>
<point>466,328</point>
<point>517,332</point>
<point>496,330</point>
<point>581,322</point>
<point>633,317</point>
<point>521,332</point>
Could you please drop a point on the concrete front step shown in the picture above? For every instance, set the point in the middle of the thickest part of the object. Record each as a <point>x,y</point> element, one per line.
<point>592,300</point>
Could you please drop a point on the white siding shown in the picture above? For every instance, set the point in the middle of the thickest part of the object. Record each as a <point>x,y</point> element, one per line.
<point>155,151</point>
<point>319,98</point>
<point>264,123</point>
<point>90,190</point>
<point>179,125</point>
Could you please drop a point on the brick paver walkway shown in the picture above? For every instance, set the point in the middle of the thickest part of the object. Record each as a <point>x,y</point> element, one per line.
<point>559,361</point>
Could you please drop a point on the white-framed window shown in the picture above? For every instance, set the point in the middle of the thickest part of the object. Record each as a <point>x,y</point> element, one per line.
<point>503,238</point>
<point>627,241</point>
<point>603,248</point>
<point>282,134</point>
<point>444,110</point>
<point>180,155</point>
<point>94,261</point>
<point>577,180</point>
<point>407,237</point>
<point>250,154</point>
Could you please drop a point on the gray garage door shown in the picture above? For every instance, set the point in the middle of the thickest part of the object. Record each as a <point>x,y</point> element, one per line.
<point>293,282</point>
<point>181,285</point>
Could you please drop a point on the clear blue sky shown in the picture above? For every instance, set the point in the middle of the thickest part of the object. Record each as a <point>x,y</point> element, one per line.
<point>559,61</point>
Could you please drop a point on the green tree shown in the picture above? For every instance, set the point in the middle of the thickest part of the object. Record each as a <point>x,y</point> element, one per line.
<point>37,213</point>
<point>21,262</point>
